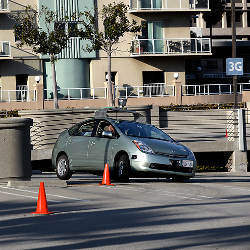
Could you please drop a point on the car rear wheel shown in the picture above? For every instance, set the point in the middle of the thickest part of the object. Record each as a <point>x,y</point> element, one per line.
<point>62,168</point>
<point>122,168</point>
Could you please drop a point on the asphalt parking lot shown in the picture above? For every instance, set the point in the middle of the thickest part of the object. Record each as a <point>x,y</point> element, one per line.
<point>209,212</point>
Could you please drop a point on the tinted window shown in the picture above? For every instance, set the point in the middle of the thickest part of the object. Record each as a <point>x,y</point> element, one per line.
<point>82,129</point>
<point>142,130</point>
<point>105,126</point>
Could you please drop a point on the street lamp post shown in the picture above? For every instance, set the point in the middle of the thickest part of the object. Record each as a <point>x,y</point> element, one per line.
<point>234,49</point>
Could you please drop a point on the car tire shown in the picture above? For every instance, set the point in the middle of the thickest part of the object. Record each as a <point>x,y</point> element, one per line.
<point>62,168</point>
<point>179,178</point>
<point>122,168</point>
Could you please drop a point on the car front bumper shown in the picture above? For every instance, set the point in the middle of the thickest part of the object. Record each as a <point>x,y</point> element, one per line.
<point>158,165</point>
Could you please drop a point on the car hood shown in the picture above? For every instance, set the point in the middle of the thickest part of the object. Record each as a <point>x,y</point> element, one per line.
<point>165,147</point>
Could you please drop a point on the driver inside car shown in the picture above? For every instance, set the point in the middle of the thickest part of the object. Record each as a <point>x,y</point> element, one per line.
<point>110,128</point>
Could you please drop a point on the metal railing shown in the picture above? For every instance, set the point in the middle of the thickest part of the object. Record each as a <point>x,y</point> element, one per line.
<point>171,46</point>
<point>154,90</point>
<point>4,5</point>
<point>168,4</point>
<point>213,89</point>
<point>5,49</point>
<point>220,75</point>
<point>77,93</point>
<point>23,95</point>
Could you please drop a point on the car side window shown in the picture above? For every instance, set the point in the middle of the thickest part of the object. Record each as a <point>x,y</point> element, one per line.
<point>82,129</point>
<point>105,126</point>
<point>86,129</point>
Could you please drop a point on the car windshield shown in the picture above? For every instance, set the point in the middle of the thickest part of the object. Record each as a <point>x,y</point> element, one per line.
<point>142,130</point>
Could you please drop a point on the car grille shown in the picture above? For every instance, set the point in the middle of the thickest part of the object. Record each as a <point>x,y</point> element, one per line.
<point>171,155</point>
<point>175,167</point>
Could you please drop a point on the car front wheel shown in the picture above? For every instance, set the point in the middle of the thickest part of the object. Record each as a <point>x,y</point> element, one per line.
<point>122,168</point>
<point>62,168</point>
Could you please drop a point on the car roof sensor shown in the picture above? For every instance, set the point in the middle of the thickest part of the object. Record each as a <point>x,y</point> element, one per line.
<point>114,114</point>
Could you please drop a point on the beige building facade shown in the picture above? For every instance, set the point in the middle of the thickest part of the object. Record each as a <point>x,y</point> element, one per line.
<point>158,53</point>
<point>19,67</point>
<point>156,56</point>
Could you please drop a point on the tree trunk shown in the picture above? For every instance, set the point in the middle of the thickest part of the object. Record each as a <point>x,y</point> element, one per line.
<point>53,72</point>
<point>110,87</point>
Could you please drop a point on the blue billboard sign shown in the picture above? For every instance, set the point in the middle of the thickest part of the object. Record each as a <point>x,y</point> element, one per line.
<point>234,66</point>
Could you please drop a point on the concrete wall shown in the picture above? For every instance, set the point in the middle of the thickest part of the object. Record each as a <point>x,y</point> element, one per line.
<point>202,131</point>
<point>47,125</point>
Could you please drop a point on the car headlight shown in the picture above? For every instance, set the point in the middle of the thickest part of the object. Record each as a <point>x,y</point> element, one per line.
<point>143,147</point>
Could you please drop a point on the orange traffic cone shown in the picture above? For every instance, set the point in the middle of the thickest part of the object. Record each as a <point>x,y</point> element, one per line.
<point>42,207</point>
<point>106,178</point>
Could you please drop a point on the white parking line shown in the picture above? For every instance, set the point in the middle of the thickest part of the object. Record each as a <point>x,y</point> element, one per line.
<point>28,191</point>
<point>162,193</point>
<point>168,193</point>
<point>237,188</point>
<point>26,196</point>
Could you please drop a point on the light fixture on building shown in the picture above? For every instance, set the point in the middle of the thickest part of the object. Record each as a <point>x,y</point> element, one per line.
<point>176,76</point>
<point>37,79</point>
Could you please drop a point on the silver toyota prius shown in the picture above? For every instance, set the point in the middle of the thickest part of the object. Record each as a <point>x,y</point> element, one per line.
<point>130,148</point>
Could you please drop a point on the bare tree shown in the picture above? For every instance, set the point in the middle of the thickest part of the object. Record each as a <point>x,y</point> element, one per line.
<point>116,24</point>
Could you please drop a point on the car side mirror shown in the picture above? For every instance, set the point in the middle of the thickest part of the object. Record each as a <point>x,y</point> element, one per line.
<point>107,134</point>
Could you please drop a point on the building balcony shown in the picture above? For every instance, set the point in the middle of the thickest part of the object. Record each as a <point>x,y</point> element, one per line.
<point>170,47</point>
<point>4,6</point>
<point>168,5</point>
<point>5,50</point>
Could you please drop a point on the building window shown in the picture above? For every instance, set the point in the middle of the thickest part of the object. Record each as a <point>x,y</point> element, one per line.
<point>72,29</point>
<point>248,16</point>
<point>69,28</point>
<point>3,4</point>
<point>238,17</point>
<point>152,32</point>
<point>21,87</point>
<point>153,83</point>
<point>59,26</point>
<point>21,79</point>
<point>229,21</point>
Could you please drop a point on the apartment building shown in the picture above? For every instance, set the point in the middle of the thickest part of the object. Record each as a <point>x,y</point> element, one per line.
<point>156,55</point>
<point>159,53</point>
<point>19,67</point>
<point>212,69</point>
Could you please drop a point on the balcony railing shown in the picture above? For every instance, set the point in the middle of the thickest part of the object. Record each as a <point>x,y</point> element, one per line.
<point>213,89</point>
<point>168,5</point>
<point>4,49</point>
<point>4,5</point>
<point>150,90</point>
<point>18,95</point>
<point>171,46</point>
<point>153,90</point>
